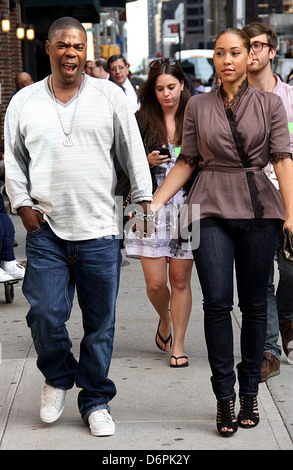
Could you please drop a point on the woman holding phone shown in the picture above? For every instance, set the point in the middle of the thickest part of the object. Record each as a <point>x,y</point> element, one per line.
<point>163,99</point>
<point>232,133</point>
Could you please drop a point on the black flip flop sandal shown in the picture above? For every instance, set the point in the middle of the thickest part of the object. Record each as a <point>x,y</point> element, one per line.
<point>185,364</point>
<point>165,341</point>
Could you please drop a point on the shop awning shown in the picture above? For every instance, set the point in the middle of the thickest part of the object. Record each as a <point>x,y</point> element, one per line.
<point>53,3</point>
<point>115,3</point>
<point>75,3</point>
<point>87,11</point>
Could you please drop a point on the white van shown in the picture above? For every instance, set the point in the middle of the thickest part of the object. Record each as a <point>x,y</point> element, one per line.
<point>198,63</point>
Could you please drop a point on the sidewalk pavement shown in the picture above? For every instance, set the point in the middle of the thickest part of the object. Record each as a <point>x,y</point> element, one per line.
<point>156,408</point>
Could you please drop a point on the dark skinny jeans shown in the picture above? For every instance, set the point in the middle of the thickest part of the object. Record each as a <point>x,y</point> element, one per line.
<point>252,247</point>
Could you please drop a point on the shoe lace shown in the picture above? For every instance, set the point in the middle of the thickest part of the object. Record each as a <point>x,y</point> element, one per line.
<point>51,395</point>
<point>100,415</point>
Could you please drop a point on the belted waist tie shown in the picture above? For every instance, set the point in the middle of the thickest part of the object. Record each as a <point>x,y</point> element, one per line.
<point>226,169</point>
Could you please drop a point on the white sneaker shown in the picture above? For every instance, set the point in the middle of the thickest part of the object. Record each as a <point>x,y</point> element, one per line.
<point>14,269</point>
<point>4,277</point>
<point>101,423</point>
<point>52,403</point>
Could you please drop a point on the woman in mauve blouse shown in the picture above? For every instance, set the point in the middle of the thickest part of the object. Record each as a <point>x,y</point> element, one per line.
<point>232,133</point>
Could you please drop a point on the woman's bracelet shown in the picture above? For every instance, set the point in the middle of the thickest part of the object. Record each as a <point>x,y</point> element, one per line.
<point>145,217</point>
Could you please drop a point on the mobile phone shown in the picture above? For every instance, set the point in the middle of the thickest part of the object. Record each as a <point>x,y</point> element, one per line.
<point>163,151</point>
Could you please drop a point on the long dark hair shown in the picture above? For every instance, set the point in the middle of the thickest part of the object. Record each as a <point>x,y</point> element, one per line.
<point>150,114</point>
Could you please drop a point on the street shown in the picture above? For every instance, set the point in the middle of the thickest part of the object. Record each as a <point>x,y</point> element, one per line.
<point>156,408</point>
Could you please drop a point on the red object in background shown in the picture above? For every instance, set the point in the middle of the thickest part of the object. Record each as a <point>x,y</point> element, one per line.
<point>174,28</point>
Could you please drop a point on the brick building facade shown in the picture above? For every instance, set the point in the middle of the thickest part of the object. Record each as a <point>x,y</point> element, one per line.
<point>11,60</point>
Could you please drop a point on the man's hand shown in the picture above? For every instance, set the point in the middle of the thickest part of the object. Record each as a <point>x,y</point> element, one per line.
<point>31,218</point>
<point>143,228</point>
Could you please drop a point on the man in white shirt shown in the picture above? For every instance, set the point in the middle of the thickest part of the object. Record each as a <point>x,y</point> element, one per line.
<point>119,71</point>
<point>61,136</point>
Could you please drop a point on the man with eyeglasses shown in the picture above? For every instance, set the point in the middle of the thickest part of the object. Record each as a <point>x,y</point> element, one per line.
<point>119,74</point>
<point>264,42</point>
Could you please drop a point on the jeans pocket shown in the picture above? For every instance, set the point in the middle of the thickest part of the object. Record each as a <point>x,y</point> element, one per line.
<point>38,230</point>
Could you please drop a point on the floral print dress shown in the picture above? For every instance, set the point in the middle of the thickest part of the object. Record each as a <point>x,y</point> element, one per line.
<point>164,242</point>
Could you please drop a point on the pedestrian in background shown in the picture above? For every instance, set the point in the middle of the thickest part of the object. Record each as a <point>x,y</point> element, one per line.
<point>119,74</point>
<point>100,69</point>
<point>232,133</point>
<point>60,177</point>
<point>88,67</point>
<point>198,85</point>
<point>10,269</point>
<point>163,99</point>
<point>264,43</point>
<point>22,79</point>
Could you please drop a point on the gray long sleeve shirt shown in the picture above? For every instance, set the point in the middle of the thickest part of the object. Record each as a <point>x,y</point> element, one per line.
<point>73,187</point>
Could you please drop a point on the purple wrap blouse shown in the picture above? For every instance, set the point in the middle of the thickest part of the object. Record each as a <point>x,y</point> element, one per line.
<point>232,150</point>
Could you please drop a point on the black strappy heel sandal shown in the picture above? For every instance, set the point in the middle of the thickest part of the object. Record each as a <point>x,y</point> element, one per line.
<point>248,411</point>
<point>226,418</point>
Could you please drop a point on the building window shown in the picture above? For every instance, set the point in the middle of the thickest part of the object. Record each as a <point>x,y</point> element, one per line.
<point>194,11</point>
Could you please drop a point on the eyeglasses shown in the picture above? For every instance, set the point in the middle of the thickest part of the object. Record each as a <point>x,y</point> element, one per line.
<point>167,61</point>
<point>258,46</point>
<point>120,67</point>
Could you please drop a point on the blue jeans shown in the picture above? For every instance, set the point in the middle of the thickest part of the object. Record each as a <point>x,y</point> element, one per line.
<point>6,238</point>
<point>253,250</point>
<point>272,334</point>
<point>54,268</point>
